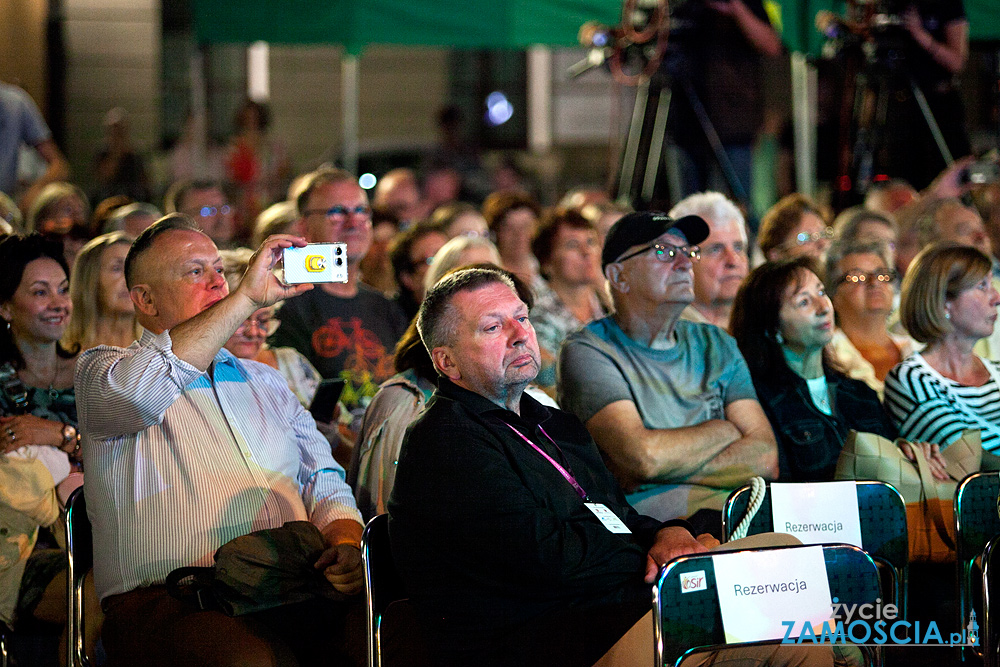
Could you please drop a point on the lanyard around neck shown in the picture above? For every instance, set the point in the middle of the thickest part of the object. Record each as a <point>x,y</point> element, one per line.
<point>562,471</point>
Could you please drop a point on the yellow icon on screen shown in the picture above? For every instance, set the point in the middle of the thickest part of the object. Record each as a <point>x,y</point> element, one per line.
<point>315,263</point>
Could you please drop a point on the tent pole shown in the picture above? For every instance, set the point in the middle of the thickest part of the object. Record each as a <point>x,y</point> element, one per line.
<point>539,99</point>
<point>804,100</point>
<point>349,94</point>
<point>199,111</point>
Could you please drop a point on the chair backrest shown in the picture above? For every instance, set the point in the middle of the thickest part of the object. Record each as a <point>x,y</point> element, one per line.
<point>80,555</point>
<point>989,620</point>
<point>976,523</point>
<point>882,513</point>
<point>880,508</point>
<point>383,585</point>
<point>976,517</point>
<point>685,622</point>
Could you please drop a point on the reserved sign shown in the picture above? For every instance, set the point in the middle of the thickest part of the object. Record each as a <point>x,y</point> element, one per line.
<point>760,589</point>
<point>817,513</point>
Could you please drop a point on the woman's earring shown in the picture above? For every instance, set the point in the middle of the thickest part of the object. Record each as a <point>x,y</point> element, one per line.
<point>779,338</point>
<point>947,316</point>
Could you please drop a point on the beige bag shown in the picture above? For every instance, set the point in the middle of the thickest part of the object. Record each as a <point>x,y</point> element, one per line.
<point>929,513</point>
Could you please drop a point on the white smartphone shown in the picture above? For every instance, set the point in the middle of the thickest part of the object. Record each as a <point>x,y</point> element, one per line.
<point>316,263</point>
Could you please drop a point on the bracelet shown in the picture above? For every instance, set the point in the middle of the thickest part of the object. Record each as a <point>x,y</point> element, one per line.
<point>349,542</point>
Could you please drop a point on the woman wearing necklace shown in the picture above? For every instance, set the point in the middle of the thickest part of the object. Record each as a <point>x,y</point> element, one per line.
<point>783,320</point>
<point>38,424</point>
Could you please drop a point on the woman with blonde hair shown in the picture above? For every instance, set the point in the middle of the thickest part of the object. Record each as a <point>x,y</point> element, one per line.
<point>948,303</point>
<point>103,313</point>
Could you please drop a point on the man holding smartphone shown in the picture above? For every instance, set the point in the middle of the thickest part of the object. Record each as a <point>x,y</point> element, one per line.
<point>188,447</point>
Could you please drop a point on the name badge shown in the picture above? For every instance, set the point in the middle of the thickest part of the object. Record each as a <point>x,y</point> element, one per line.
<point>608,518</point>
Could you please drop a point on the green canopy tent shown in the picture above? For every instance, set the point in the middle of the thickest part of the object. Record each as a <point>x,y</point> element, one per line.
<point>475,24</point>
<point>499,24</point>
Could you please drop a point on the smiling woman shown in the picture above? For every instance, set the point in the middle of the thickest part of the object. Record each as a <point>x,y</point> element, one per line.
<point>38,424</point>
<point>783,321</point>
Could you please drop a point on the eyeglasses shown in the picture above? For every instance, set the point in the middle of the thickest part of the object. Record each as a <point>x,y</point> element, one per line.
<point>211,211</point>
<point>265,323</point>
<point>803,238</point>
<point>339,212</point>
<point>858,278</point>
<point>665,252</point>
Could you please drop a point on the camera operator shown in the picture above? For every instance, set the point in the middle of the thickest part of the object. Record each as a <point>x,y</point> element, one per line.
<point>934,54</point>
<point>718,46</point>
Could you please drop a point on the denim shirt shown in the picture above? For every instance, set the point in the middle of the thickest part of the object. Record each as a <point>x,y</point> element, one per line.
<point>809,442</point>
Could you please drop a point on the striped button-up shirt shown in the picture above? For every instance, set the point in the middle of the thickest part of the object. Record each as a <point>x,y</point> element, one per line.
<point>181,461</point>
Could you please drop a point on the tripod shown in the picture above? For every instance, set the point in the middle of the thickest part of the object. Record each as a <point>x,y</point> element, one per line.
<point>866,154</point>
<point>642,153</point>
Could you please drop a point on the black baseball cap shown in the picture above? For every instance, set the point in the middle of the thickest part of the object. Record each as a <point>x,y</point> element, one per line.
<point>645,226</point>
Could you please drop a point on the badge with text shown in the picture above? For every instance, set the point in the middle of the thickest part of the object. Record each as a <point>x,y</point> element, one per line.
<point>758,589</point>
<point>608,518</point>
<point>817,513</point>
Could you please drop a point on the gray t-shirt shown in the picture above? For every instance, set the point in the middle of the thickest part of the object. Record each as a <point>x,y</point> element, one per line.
<point>688,384</point>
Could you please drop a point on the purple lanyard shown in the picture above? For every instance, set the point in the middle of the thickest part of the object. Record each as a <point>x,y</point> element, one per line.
<point>562,471</point>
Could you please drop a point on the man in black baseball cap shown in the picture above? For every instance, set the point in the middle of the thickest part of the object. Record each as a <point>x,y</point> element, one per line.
<point>642,227</point>
<point>669,402</point>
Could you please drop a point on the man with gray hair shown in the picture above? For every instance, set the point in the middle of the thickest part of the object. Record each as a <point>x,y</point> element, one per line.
<point>515,543</point>
<point>673,409</point>
<point>724,262</point>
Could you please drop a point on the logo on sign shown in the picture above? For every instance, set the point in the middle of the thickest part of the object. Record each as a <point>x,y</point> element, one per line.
<point>693,581</point>
<point>315,263</point>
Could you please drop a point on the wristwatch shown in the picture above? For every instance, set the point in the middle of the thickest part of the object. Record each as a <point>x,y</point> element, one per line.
<point>70,436</point>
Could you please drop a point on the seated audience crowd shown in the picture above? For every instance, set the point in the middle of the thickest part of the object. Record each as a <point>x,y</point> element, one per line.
<point>168,357</point>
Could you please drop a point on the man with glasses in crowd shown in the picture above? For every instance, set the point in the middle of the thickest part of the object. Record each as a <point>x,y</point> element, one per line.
<point>204,202</point>
<point>674,412</point>
<point>346,330</point>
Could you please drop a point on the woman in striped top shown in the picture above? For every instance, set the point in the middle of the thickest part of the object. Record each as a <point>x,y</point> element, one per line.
<point>949,303</point>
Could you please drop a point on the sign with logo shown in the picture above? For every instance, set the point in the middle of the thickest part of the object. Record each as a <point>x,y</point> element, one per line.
<point>759,589</point>
<point>693,581</point>
<point>817,513</point>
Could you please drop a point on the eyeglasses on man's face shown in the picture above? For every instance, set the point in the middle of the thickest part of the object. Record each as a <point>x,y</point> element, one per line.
<point>212,211</point>
<point>340,213</point>
<point>665,252</point>
<point>803,238</point>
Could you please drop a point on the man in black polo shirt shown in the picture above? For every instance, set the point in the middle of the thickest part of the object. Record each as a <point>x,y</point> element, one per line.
<point>515,542</point>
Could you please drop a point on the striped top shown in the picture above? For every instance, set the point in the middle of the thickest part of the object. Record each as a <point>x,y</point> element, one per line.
<point>929,407</point>
<point>181,461</point>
